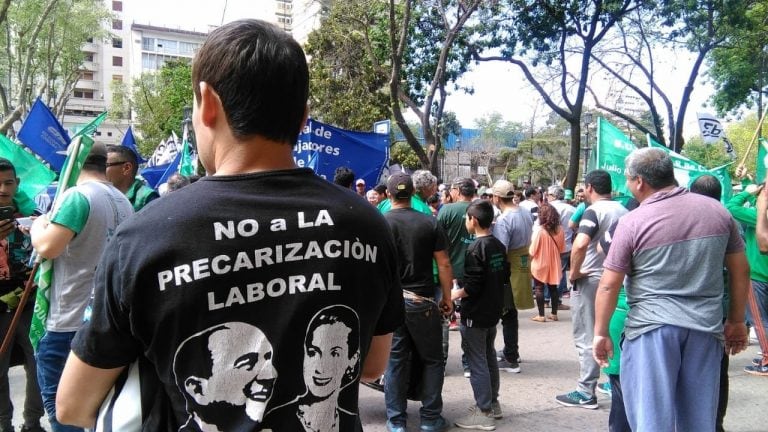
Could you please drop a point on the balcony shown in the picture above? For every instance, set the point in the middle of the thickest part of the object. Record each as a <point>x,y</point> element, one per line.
<point>91,66</point>
<point>85,84</point>
<point>90,47</point>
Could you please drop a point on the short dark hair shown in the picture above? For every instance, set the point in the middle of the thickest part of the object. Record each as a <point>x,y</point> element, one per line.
<point>482,210</point>
<point>260,74</point>
<point>708,185</point>
<point>653,164</point>
<point>381,188</point>
<point>466,186</point>
<point>529,192</point>
<point>126,154</point>
<point>6,165</point>
<point>600,181</point>
<point>343,176</point>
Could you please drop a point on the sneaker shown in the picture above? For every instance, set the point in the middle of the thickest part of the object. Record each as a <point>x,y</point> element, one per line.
<point>577,399</point>
<point>436,425</point>
<point>467,374</point>
<point>395,427</point>
<point>511,367</point>
<point>605,388</point>
<point>500,356</point>
<point>756,370</point>
<point>476,419</point>
<point>757,361</point>
<point>496,410</point>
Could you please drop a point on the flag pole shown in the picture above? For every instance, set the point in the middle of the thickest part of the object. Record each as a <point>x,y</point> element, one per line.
<point>754,137</point>
<point>19,309</point>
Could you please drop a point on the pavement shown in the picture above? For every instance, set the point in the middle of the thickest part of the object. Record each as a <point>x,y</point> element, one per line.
<point>549,367</point>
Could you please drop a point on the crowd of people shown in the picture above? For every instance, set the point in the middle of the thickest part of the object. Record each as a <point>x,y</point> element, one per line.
<point>259,296</point>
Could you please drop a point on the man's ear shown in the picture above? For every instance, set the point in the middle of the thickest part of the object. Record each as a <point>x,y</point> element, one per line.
<point>197,388</point>
<point>210,105</point>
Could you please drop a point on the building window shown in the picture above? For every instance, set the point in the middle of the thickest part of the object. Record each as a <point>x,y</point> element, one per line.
<point>88,57</point>
<point>89,40</point>
<point>117,24</point>
<point>86,76</point>
<point>167,46</point>
<point>117,6</point>
<point>148,44</point>
<point>187,48</point>
<point>98,133</point>
<point>118,78</point>
<point>109,134</point>
<point>117,43</point>
<point>117,61</point>
<point>85,94</point>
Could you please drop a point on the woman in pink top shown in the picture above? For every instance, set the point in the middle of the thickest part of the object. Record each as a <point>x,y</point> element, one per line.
<point>547,243</point>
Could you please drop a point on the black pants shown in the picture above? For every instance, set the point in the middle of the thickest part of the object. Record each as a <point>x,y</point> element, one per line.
<point>539,288</point>
<point>617,419</point>
<point>509,327</point>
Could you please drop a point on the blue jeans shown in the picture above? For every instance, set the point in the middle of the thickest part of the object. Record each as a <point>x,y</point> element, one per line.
<point>420,336</point>
<point>481,356</point>
<point>52,352</point>
<point>671,380</point>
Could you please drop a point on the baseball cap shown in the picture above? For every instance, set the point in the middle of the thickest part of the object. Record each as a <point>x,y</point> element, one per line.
<point>360,181</point>
<point>400,185</point>
<point>98,154</point>
<point>504,189</point>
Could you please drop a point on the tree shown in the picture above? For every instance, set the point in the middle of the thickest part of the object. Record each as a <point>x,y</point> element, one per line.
<point>42,53</point>
<point>159,99</point>
<point>554,35</point>
<point>542,157</point>
<point>708,155</point>
<point>739,68</point>
<point>698,26</point>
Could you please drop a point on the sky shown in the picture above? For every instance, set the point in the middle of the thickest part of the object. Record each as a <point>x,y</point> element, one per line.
<point>498,87</point>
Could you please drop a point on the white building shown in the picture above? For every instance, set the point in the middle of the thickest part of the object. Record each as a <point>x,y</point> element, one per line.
<point>135,48</point>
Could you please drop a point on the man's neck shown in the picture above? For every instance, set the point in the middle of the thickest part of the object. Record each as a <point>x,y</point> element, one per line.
<point>124,185</point>
<point>482,232</point>
<point>255,154</point>
<point>400,204</point>
<point>87,175</point>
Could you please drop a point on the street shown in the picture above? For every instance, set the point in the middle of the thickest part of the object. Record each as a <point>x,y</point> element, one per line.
<point>549,367</point>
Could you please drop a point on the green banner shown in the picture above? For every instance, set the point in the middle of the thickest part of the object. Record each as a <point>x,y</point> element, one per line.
<point>35,176</point>
<point>762,154</point>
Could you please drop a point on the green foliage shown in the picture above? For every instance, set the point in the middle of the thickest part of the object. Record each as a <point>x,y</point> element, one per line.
<point>496,133</point>
<point>346,89</point>
<point>740,134</point>
<point>711,156</point>
<point>739,69</point>
<point>542,158</point>
<point>159,100</point>
<point>401,153</point>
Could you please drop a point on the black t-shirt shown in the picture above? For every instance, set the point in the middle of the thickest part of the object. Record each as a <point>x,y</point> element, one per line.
<point>486,273</point>
<point>246,292</point>
<point>417,237</point>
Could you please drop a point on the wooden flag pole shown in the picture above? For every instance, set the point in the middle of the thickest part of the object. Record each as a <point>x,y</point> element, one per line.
<point>754,137</point>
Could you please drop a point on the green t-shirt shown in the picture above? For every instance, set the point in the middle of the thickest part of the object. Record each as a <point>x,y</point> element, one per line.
<point>416,204</point>
<point>452,217</point>
<point>73,212</point>
<point>742,208</point>
<point>578,213</point>
<point>140,194</point>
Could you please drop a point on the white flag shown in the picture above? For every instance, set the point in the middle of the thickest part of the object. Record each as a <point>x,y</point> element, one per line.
<point>712,132</point>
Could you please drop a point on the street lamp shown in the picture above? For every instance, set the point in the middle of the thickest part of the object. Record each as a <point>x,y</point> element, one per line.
<point>458,156</point>
<point>187,122</point>
<point>587,120</point>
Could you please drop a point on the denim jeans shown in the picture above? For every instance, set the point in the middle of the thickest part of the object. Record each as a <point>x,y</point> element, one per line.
<point>484,370</point>
<point>52,352</point>
<point>420,336</point>
<point>617,419</point>
<point>33,405</point>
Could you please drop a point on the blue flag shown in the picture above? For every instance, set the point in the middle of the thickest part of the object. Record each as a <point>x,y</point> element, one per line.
<point>130,142</point>
<point>43,134</point>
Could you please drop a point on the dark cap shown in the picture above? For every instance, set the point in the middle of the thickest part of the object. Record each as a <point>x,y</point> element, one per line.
<point>466,186</point>
<point>98,154</point>
<point>400,186</point>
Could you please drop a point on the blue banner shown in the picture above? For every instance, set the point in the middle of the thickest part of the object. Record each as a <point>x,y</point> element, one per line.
<point>44,135</point>
<point>130,142</point>
<point>324,148</point>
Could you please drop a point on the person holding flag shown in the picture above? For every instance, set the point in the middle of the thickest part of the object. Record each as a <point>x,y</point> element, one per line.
<point>73,236</point>
<point>122,166</point>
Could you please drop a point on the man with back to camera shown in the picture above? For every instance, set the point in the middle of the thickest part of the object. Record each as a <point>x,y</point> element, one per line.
<point>122,166</point>
<point>73,236</point>
<point>271,246</point>
<point>419,239</point>
<point>586,269</point>
<point>674,260</point>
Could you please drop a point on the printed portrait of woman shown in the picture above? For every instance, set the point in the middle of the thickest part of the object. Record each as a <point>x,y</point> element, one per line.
<point>331,363</point>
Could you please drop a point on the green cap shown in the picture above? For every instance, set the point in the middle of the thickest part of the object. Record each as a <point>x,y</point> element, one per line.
<point>568,194</point>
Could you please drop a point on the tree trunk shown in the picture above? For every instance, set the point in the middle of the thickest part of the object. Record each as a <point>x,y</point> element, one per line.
<point>574,157</point>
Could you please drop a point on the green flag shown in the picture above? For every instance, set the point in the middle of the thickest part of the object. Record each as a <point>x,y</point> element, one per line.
<point>186,167</point>
<point>78,151</point>
<point>762,155</point>
<point>612,147</point>
<point>35,176</point>
<point>90,128</point>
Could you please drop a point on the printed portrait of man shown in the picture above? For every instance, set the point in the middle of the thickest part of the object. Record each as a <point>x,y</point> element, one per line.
<point>226,376</point>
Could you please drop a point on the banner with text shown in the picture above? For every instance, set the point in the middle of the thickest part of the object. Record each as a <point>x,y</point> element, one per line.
<point>324,148</point>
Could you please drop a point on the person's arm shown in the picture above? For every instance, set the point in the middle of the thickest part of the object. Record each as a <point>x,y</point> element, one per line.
<point>735,331</point>
<point>745,215</point>
<point>49,239</point>
<point>81,391</point>
<point>445,275</point>
<point>761,230</point>
<point>377,358</point>
<point>605,304</point>
<point>578,253</point>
